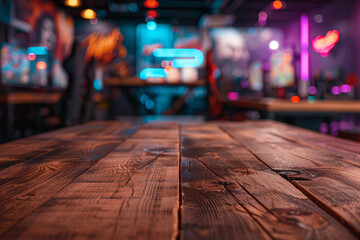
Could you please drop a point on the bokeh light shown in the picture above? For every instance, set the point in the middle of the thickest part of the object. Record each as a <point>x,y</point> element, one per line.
<point>88,14</point>
<point>318,18</point>
<point>41,65</point>
<point>151,25</point>
<point>233,96</point>
<point>151,3</point>
<point>312,90</point>
<point>31,56</point>
<point>152,14</point>
<point>277,4</point>
<point>273,45</point>
<point>295,99</point>
<point>335,90</point>
<point>72,3</point>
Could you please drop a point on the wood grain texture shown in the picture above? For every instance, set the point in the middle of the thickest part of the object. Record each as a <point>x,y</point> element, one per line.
<point>36,168</point>
<point>124,180</point>
<point>132,193</point>
<point>328,178</point>
<point>229,194</point>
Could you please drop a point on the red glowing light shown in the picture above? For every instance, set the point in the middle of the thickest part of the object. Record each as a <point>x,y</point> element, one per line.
<point>151,3</point>
<point>277,4</point>
<point>295,99</point>
<point>152,14</point>
<point>323,45</point>
<point>41,65</point>
<point>31,56</point>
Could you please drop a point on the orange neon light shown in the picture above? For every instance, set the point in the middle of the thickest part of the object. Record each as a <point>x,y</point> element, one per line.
<point>41,65</point>
<point>277,4</point>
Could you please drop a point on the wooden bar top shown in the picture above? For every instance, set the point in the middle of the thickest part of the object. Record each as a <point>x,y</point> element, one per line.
<point>165,180</point>
<point>30,97</point>
<point>285,105</point>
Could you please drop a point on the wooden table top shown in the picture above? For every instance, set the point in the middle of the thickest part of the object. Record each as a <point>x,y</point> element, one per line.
<point>137,82</point>
<point>285,105</point>
<point>220,180</point>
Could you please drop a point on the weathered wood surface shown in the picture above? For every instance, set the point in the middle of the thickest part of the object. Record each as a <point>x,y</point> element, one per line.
<point>131,193</point>
<point>117,180</point>
<point>34,169</point>
<point>222,181</point>
<point>328,177</point>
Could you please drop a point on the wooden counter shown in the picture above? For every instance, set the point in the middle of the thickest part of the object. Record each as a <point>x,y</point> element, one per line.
<point>220,180</point>
<point>285,105</point>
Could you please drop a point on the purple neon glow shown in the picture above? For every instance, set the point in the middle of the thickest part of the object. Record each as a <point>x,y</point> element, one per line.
<point>335,90</point>
<point>312,90</point>
<point>345,88</point>
<point>233,96</point>
<point>304,55</point>
<point>324,127</point>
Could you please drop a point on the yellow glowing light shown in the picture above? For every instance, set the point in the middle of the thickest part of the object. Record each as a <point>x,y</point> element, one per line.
<point>72,3</point>
<point>88,14</point>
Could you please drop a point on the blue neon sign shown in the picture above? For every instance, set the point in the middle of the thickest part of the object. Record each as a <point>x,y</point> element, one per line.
<point>38,50</point>
<point>182,58</point>
<point>153,72</point>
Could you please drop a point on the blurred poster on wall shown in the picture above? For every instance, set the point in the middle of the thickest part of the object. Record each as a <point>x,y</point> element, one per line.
<point>239,52</point>
<point>256,76</point>
<point>111,44</point>
<point>282,73</point>
<point>15,66</point>
<point>49,27</point>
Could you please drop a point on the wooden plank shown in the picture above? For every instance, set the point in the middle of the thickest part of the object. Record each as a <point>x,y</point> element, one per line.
<point>102,130</point>
<point>229,194</point>
<point>132,193</point>
<point>37,145</point>
<point>33,177</point>
<point>331,181</point>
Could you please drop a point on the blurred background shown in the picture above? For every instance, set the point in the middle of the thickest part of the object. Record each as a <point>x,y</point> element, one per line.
<point>73,61</point>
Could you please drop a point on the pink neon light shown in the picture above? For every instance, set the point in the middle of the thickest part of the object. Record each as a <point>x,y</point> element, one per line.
<point>335,90</point>
<point>323,45</point>
<point>233,96</point>
<point>345,88</point>
<point>312,90</point>
<point>304,55</point>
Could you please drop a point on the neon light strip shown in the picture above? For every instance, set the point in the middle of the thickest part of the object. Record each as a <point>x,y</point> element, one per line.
<point>304,55</point>
<point>153,72</point>
<point>194,57</point>
<point>37,50</point>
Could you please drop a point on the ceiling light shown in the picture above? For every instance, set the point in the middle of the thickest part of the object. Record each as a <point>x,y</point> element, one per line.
<point>72,3</point>
<point>88,14</point>
<point>277,4</point>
